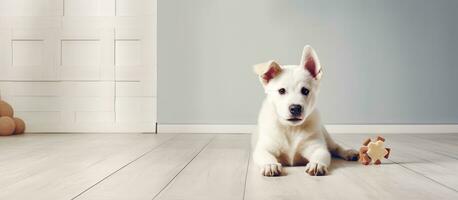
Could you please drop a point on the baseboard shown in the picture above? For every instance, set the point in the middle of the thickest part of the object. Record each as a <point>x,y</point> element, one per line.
<point>139,127</point>
<point>205,128</point>
<point>335,129</point>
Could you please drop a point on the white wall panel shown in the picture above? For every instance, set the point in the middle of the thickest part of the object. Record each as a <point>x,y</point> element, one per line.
<point>29,53</point>
<point>39,117</point>
<point>128,53</point>
<point>27,60</point>
<point>87,104</point>
<point>5,8</point>
<point>135,109</point>
<point>87,89</point>
<point>135,89</point>
<point>95,117</point>
<point>81,53</point>
<point>26,7</point>
<point>79,65</point>
<point>87,54</point>
<point>5,52</point>
<point>31,8</point>
<point>6,55</point>
<point>134,7</point>
<point>30,103</point>
<point>80,60</point>
<point>133,73</point>
<point>89,7</point>
<point>132,60</point>
<point>30,89</point>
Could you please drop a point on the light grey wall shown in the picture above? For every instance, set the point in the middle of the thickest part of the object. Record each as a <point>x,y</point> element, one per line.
<point>391,61</point>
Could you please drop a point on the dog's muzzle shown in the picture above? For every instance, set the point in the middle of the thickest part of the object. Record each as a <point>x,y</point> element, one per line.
<point>295,110</point>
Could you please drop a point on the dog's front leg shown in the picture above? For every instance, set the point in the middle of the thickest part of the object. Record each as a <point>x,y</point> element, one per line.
<point>319,159</point>
<point>266,161</point>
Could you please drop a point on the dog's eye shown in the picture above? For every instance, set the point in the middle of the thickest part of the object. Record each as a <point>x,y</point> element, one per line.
<point>305,91</point>
<point>282,91</point>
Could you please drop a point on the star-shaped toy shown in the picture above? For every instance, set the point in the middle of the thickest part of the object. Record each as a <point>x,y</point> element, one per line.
<point>373,151</point>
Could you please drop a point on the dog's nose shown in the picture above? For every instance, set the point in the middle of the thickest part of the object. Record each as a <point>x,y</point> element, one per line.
<point>295,110</point>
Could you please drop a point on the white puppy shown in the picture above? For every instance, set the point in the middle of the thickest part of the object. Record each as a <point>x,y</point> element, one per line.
<point>289,128</point>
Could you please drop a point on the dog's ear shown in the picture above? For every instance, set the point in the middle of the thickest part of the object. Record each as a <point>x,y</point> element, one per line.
<point>267,71</point>
<point>310,62</point>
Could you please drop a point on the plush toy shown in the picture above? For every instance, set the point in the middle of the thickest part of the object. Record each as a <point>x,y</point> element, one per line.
<point>20,126</point>
<point>7,126</point>
<point>6,109</point>
<point>373,151</point>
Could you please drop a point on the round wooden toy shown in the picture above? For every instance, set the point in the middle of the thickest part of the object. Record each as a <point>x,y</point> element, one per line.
<point>373,151</point>
<point>20,126</point>
<point>6,109</point>
<point>7,126</point>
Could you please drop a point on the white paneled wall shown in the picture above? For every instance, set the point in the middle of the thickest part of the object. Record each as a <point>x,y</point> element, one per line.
<point>80,65</point>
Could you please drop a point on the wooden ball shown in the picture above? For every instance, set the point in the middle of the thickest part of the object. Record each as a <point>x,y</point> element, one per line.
<point>20,126</point>
<point>6,109</point>
<point>7,126</point>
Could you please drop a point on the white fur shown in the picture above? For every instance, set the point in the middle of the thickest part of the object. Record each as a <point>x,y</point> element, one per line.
<point>279,141</point>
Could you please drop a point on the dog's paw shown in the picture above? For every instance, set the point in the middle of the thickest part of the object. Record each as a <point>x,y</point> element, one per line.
<point>271,169</point>
<point>350,155</point>
<point>316,169</point>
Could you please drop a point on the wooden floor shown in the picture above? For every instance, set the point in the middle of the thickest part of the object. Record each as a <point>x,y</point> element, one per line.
<point>214,167</point>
